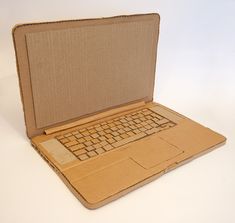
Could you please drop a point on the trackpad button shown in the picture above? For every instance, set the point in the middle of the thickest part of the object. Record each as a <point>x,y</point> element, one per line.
<point>152,152</point>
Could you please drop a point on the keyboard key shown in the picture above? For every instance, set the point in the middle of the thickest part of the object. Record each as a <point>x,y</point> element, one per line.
<point>105,136</point>
<point>103,143</point>
<point>108,136</point>
<point>131,123</point>
<point>87,138</point>
<point>154,125</point>
<point>78,135</point>
<point>95,135</point>
<point>88,143</point>
<point>132,127</point>
<point>115,133</point>
<point>72,138</point>
<point>102,133</point>
<point>117,138</point>
<point>91,153</point>
<point>114,128</point>
<point>92,131</point>
<point>121,131</point>
<point>81,140</point>
<point>72,143</point>
<point>102,138</point>
<point>111,125</point>
<point>68,134</point>
<point>100,150</point>
<point>124,135</point>
<point>148,127</point>
<point>127,129</point>
<point>75,132</point>
<point>107,130</point>
<point>90,148</point>
<point>83,157</point>
<point>65,140</point>
<point>97,146</point>
<point>130,133</point>
<point>85,133</point>
<point>136,131</point>
<point>111,140</point>
<point>76,147</point>
<point>166,126</point>
<point>162,121</point>
<point>98,129</point>
<point>137,121</point>
<point>120,127</point>
<point>59,137</point>
<point>149,121</point>
<point>153,130</point>
<point>128,140</point>
<point>147,112</point>
<point>95,140</point>
<point>105,126</point>
<point>108,147</point>
<point>80,151</point>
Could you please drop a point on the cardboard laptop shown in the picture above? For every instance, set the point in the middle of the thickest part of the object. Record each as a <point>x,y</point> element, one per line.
<point>87,92</point>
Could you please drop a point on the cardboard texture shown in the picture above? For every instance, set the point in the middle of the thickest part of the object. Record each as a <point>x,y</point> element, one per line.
<point>95,117</point>
<point>88,84</point>
<point>98,56</point>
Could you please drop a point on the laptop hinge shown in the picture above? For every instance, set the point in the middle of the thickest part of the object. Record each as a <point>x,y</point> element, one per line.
<point>94,117</point>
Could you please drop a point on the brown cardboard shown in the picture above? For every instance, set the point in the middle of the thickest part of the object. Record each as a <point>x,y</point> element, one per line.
<point>134,164</point>
<point>153,155</point>
<point>95,117</point>
<point>110,175</point>
<point>61,62</point>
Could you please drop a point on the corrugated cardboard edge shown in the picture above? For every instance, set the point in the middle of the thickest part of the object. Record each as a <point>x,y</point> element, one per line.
<point>129,189</point>
<point>62,21</point>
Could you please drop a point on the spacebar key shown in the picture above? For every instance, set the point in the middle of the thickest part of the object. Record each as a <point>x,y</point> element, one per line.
<point>130,139</point>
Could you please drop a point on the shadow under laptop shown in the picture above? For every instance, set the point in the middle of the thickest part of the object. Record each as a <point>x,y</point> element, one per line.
<point>10,104</point>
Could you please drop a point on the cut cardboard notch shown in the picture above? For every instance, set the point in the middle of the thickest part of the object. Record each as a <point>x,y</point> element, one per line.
<point>73,69</point>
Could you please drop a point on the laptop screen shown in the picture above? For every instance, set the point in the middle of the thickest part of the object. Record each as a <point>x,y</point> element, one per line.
<point>89,68</point>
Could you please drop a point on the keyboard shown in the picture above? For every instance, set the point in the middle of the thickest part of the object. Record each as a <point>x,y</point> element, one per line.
<point>94,140</point>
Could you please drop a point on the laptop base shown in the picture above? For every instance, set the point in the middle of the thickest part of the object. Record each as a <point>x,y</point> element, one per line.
<point>108,176</point>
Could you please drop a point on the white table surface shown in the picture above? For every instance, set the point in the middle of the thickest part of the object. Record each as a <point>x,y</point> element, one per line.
<point>195,76</point>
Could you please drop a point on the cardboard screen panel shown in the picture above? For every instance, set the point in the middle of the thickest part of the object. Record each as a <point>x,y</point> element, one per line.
<point>82,70</point>
<point>72,69</point>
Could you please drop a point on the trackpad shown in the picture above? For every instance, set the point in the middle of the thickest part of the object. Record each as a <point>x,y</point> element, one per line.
<point>152,152</point>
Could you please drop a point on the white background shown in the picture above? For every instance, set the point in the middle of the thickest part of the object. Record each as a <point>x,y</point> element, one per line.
<point>195,76</point>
